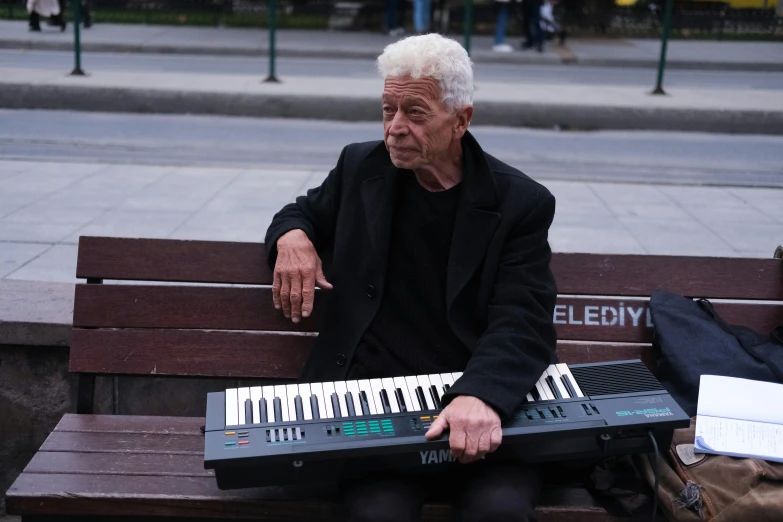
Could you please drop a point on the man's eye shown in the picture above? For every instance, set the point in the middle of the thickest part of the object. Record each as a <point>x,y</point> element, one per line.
<point>387,109</point>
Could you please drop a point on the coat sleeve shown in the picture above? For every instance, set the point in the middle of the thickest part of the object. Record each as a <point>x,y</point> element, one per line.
<point>315,213</point>
<point>519,341</point>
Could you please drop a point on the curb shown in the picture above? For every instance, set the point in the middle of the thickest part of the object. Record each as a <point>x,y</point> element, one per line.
<point>352,109</point>
<point>564,55</point>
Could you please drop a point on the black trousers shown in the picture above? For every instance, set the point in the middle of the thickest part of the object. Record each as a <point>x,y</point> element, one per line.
<point>480,492</point>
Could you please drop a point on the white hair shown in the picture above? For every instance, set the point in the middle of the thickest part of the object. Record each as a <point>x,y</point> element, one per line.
<point>436,56</point>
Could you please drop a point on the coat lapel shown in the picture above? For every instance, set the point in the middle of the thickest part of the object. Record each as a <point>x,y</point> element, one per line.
<point>476,219</point>
<point>378,197</point>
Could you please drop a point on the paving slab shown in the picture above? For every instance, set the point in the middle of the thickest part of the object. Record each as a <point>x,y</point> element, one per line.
<point>756,111</point>
<point>760,56</point>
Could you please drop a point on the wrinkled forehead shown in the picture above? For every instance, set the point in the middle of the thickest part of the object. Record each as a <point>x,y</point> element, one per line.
<point>426,88</point>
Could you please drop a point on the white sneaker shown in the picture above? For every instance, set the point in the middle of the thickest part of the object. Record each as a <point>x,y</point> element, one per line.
<point>502,48</point>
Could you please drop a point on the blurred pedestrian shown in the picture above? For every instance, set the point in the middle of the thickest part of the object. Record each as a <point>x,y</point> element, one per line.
<point>531,12</point>
<point>86,16</point>
<point>421,16</point>
<point>501,21</point>
<point>46,8</point>
<point>393,18</point>
<point>549,25</point>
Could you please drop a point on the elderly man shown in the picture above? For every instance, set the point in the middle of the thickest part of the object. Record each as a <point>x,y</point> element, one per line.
<point>438,261</point>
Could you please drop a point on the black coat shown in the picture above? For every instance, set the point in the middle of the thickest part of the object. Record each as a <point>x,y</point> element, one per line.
<point>500,290</point>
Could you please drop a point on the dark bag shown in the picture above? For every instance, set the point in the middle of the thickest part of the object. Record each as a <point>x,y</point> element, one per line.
<point>691,339</point>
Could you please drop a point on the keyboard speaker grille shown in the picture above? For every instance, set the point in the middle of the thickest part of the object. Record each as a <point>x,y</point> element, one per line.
<point>613,379</point>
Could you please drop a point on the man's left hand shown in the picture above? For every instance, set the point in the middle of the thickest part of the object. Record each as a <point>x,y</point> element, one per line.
<point>474,428</point>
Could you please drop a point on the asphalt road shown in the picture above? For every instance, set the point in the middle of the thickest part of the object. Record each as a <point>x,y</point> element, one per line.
<point>640,157</point>
<point>352,68</point>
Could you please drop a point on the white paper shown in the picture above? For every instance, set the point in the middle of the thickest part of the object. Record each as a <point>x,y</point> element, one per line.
<point>740,399</point>
<point>739,417</point>
<point>739,438</point>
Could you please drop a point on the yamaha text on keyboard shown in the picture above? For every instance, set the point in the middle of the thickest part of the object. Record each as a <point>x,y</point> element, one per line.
<point>296,433</point>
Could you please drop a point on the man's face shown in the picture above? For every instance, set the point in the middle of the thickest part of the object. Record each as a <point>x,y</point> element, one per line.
<point>417,127</point>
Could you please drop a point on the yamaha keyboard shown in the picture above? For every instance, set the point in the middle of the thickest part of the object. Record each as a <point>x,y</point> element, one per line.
<point>298,433</point>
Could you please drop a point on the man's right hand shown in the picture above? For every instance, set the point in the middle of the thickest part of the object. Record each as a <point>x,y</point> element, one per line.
<point>297,270</point>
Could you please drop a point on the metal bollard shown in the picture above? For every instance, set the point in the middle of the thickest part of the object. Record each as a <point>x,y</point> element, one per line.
<point>272,22</point>
<point>77,45</point>
<point>667,23</point>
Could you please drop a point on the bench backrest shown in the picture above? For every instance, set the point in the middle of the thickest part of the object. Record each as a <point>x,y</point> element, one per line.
<point>226,326</point>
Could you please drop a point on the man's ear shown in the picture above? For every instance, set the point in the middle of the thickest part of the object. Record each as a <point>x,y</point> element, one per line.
<point>464,115</point>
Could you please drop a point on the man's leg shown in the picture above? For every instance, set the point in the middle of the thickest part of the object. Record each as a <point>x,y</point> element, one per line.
<point>392,500</point>
<point>499,493</point>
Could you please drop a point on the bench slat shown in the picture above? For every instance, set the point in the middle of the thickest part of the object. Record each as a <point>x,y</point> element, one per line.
<point>199,307</point>
<point>64,441</point>
<point>172,260</point>
<point>228,354</point>
<point>634,275</point>
<point>189,352</point>
<point>581,274</point>
<point>154,463</point>
<point>141,306</point>
<point>120,424</point>
<point>143,495</point>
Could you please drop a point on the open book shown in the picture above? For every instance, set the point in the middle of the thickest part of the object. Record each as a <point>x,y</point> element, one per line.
<point>739,418</point>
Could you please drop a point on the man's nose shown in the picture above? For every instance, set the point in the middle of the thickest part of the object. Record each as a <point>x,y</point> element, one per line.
<point>399,125</point>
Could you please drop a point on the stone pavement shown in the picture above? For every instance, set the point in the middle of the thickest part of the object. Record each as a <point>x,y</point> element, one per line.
<point>45,207</point>
<point>752,111</point>
<point>760,56</point>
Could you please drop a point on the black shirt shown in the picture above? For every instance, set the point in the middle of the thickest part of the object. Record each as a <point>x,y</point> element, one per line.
<point>410,334</point>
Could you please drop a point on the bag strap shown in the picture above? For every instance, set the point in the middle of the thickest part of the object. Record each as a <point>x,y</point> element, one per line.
<point>777,336</point>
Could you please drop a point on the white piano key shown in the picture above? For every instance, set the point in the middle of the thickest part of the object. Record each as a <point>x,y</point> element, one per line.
<point>424,382</point>
<point>530,398</point>
<point>318,390</point>
<point>388,386</point>
<point>328,391</point>
<point>353,387</point>
<point>377,386</point>
<point>436,381</point>
<point>543,389</point>
<point>340,389</point>
<point>281,394</point>
<point>305,393</point>
<point>291,391</point>
<point>269,396</point>
<point>564,370</point>
<point>555,374</point>
<point>242,395</point>
<point>364,386</point>
<point>255,396</point>
<point>413,383</point>
<point>232,413</point>
<point>399,382</point>
<point>456,376</point>
<point>448,379</point>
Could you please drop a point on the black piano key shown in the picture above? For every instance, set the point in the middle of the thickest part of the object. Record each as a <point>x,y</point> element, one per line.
<point>278,409</point>
<point>336,406</point>
<point>349,404</point>
<point>299,408</point>
<point>385,402</point>
<point>422,400</point>
<point>569,386</point>
<point>401,400</point>
<point>262,410</point>
<point>248,411</point>
<point>435,396</point>
<point>552,386</point>
<point>364,403</point>
<point>446,387</point>
<point>534,393</point>
<point>314,407</point>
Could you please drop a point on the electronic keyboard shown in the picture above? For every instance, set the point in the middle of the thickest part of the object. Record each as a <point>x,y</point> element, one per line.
<point>316,432</point>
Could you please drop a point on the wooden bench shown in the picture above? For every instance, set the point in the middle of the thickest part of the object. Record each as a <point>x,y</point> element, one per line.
<point>94,467</point>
